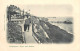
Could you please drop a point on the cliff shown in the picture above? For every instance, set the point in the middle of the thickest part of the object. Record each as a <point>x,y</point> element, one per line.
<point>48,33</point>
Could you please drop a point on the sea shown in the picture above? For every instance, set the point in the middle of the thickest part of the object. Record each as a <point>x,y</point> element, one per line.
<point>66,27</point>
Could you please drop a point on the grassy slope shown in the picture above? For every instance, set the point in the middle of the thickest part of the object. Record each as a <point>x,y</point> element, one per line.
<point>56,34</point>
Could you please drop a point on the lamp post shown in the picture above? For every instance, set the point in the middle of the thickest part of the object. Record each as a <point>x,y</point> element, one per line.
<point>23,13</point>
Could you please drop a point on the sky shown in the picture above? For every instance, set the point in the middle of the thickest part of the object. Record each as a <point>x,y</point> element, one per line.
<point>48,10</point>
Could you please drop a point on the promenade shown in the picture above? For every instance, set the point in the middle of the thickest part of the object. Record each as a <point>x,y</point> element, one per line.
<point>28,36</point>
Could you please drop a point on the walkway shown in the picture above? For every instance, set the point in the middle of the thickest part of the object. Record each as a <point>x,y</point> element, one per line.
<point>28,36</point>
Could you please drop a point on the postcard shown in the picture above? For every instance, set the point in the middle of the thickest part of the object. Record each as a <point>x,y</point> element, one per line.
<point>40,25</point>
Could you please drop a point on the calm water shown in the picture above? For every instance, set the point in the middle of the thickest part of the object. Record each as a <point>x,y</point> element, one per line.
<point>67,27</point>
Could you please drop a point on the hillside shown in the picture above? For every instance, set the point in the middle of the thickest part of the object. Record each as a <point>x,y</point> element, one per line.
<point>48,33</point>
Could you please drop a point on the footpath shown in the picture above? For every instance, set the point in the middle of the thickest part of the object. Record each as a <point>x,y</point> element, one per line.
<point>28,36</point>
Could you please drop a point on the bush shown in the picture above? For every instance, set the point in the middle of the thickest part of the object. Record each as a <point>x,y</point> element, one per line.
<point>14,33</point>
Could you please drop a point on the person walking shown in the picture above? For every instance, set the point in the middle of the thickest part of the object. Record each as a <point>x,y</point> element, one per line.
<point>27,24</point>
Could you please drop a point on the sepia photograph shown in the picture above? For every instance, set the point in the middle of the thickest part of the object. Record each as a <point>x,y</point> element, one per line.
<point>39,24</point>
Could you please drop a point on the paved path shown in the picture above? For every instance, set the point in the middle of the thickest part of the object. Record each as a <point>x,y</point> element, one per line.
<point>28,36</point>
